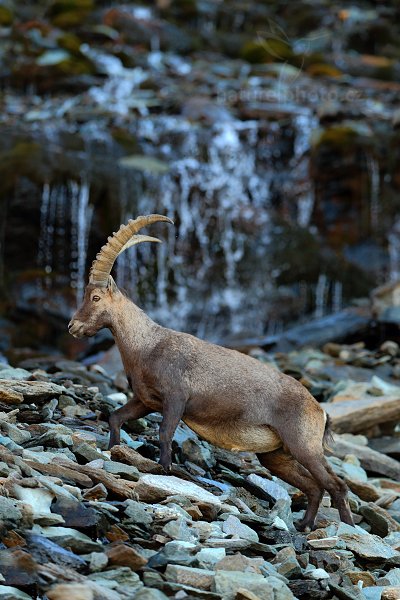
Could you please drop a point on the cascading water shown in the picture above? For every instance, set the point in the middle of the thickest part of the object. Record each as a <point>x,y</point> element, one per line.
<point>321,296</point>
<point>62,259</point>
<point>304,123</point>
<point>212,276</point>
<point>213,201</point>
<point>81,216</point>
<point>373,169</point>
<point>394,252</point>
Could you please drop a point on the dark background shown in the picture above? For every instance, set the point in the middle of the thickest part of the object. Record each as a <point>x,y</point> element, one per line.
<point>269,132</point>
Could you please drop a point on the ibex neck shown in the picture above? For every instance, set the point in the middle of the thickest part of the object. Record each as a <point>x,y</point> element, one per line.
<point>132,329</point>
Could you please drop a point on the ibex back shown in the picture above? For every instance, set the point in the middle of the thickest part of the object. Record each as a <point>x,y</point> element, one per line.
<point>228,398</point>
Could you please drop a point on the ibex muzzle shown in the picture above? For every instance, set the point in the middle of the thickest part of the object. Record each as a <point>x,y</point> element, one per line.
<point>228,398</point>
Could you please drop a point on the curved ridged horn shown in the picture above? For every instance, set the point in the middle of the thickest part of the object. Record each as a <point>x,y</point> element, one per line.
<point>118,242</point>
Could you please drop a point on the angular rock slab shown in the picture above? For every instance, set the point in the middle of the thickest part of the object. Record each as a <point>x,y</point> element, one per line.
<point>11,593</point>
<point>368,546</point>
<point>153,488</point>
<point>228,583</point>
<point>13,391</point>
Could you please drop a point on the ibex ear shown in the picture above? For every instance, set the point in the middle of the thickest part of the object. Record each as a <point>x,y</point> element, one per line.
<point>112,286</point>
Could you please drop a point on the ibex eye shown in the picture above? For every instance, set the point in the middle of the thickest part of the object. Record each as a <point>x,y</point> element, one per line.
<point>96,298</point>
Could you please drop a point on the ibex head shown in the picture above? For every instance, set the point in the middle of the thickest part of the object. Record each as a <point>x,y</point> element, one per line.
<point>102,294</point>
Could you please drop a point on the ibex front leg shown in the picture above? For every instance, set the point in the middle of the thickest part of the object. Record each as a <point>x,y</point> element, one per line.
<point>131,410</point>
<point>173,410</point>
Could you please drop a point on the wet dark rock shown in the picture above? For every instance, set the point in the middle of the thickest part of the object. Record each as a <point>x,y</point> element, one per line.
<point>198,453</point>
<point>75,514</point>
<point>309,590</point>
<point>44,550</point>
<point>379,519</point>
<point>71,539</point>
<point>332,328</point>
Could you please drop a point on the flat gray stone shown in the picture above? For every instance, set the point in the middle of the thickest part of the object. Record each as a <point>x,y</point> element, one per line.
<point>286,563</point>
<point>179,529</point>
<point>227,583</point>
<point>202,579</point>
<point>208,557</point>
<point>11,593</point>
<point>368,546</point>
<point>16,391</point>
<point>71,538</point>
<point>166,485</point>
<point>233,526</point>
<point>150,594</point>
<point>11,373</point>
<point>125,471</point>
<point>269,487</point>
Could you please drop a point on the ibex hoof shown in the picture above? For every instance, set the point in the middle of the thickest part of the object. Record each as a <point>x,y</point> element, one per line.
<point>306,527</point>
<point>166,465</point>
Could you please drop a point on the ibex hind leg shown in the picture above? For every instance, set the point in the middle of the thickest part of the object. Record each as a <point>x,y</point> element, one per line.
<point>283,465</point>
<point>305,443</point>
<point>131,410</point>
<point>322,472</point>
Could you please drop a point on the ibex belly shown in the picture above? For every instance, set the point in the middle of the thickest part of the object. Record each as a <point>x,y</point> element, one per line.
<point>237,436</point>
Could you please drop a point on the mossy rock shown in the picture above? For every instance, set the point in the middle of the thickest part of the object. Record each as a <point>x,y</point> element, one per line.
<point>323,70</point>
<point>70,42</point>
<point>25,159</point>
<point>125,139</point>
<point>387,73</point>
<point>180,9</point>
<point>61,62</point>
<point>69,13</point>
<point>76,66</point>
<point>337,136</point>
<point>6,16</point>
<point>267,51</point>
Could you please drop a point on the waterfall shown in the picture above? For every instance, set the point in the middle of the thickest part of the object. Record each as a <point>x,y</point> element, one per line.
<point>63,260</point>
<point>337,296</point>
<point>304,125</point>
<point>81,216</point>
<point>213,201</point>
<point>394,252</point>
<point>321,296</point>
<point>373,169</point>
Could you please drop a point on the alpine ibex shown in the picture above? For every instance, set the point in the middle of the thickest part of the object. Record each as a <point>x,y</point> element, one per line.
<point>228,398</point>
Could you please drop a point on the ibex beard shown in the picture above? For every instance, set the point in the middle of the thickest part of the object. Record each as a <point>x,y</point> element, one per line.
<point>228,398</point>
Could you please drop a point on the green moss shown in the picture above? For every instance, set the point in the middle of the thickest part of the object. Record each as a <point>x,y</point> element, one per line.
<point>267,51</point>
<point>70,42</point>
<point>387,73</point>
<point>25,159</point>
<point>337,136</point>
<point>6,16</point>
<point>69,13</point>
<point>323,70</point>
<point>124,139</point>
<point>75,66</point>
